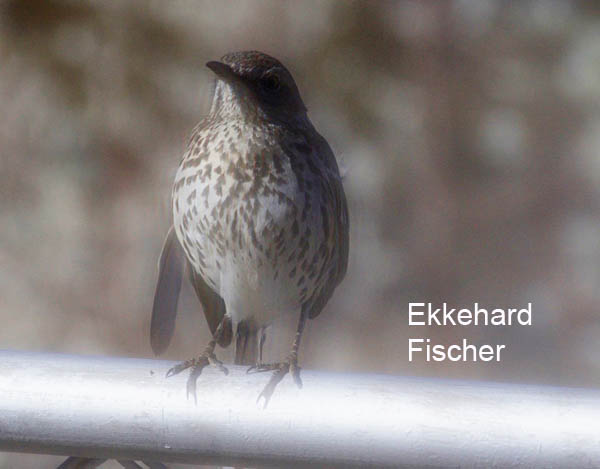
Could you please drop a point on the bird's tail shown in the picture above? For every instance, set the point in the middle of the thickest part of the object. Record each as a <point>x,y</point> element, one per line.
<point>246,343</point>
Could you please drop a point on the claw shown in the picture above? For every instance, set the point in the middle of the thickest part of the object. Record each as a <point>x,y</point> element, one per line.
<point>191,382</point>
<point>197,365</point>
<point>269,389</point>
<point>281,369</point>
<point>179,368</point>
<point>214,361</point>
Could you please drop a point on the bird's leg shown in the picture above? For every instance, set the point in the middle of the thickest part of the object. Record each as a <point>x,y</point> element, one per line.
<point>207,357</point>
<point>259,361</point>
<point>281,369</point>
<point>261,343</point>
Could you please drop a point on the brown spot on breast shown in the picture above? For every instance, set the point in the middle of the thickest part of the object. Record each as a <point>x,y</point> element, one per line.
<point>191,197</point>
<point>260,167</point>
<point>192,162</point>
<point>303,248</point>
<point>207,172</point>
<point>291,256</point>
<point>178,185</point>
<point>277,164</point>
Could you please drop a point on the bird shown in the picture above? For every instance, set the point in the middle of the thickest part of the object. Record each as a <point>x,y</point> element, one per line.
<point>260,220</point>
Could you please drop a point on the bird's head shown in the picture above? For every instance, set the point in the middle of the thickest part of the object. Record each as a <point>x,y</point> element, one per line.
<point>253,84</point>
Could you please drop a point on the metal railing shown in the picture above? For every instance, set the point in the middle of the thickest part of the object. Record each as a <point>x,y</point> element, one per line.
<point>123,408</point>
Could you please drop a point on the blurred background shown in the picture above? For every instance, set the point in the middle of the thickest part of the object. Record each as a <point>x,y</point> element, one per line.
<point>469,132</point>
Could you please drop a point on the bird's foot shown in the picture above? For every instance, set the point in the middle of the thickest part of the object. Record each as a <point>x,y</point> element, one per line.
<point>290,365</point>
<point>197,365</point>
<point>207,358</point>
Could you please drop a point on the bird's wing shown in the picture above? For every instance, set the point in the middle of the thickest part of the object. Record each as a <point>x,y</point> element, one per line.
<point>340,223</point>
<point>172,264</point>
<point>170,273</point>
<point>213,306</point>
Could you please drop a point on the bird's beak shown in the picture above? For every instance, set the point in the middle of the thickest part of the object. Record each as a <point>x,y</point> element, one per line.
<point>223,71</point>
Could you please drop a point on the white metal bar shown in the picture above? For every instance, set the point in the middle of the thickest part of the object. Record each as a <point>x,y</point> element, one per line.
<point>125,408</point>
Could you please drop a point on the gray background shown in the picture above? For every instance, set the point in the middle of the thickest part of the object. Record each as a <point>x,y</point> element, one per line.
<point>469,132</point>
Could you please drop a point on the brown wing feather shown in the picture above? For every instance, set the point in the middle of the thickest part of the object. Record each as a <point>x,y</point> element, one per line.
<point>340,225</point>
<point>164,310</point>
<point>213,306</point>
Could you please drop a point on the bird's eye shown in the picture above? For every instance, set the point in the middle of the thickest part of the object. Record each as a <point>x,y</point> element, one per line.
<point>270,83</point>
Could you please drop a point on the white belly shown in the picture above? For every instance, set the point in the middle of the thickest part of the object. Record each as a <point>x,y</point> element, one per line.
<point>252,291</point>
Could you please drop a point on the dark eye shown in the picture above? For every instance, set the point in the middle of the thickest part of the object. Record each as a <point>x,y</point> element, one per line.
<point>270,83</point>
